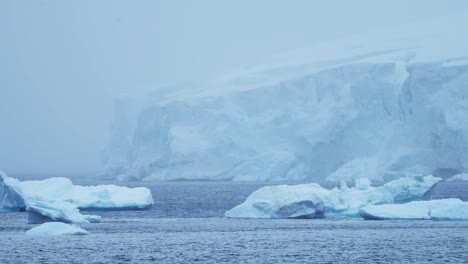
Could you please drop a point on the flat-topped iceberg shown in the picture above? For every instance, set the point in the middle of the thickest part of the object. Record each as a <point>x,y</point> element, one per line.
<point>445,209</point>
<point>99,197</point>
<point>314,201</point>
<point>55,229</point>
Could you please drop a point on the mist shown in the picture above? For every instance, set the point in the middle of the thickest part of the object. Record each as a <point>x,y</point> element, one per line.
<point>62,63</point>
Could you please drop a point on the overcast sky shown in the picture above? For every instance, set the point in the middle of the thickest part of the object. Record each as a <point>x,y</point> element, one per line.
<point>63,62</point>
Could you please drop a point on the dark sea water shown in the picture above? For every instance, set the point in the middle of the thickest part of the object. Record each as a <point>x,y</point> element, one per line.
<point>186,225</point>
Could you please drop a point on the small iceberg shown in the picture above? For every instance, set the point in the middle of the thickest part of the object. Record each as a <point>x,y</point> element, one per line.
<point>57,211</point>
<point>459,177</point>
<point>444,209</point>
<point>314,201</point>
<point>56,229</point>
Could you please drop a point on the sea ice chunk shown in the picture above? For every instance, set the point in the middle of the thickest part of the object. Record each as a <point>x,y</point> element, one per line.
<point>313,201</point>
<point>57,211</point>
<point>445,209</point>
<point>55,229</point>
<point>459,177</point>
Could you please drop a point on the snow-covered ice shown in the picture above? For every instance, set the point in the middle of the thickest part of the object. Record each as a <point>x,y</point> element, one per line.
<point>56,229</point>
<point>459,177</point>
<point>381,106</point>
<point>445,209</point>
<point>313,201</point>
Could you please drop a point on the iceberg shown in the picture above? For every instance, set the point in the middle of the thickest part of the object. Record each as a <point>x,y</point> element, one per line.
<point>459,177</point>
<point>383,105</point>
<point>57,211</point>
<point>444,209</point>
<point>57,199</point>
<point>55,229</point>
<point>313,201</point>
<point>100,197</point>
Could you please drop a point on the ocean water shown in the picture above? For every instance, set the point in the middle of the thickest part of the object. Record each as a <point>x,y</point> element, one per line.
<point>186,225</point>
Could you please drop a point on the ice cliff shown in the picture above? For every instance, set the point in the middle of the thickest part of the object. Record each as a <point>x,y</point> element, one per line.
<point>380,106</point>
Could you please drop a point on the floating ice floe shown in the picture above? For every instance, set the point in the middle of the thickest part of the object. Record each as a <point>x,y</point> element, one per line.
<point>445,209</point>
<point>55,229</point>
<point>313,201</point>
<point>459,177</point>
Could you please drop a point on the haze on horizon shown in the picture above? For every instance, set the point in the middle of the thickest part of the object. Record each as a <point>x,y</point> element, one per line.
<point>62,63</point>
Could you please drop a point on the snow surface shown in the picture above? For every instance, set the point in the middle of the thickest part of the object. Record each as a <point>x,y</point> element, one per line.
<point>313,201</point>
<point>381,105</point>
<point>445,209</point>
<point>55,229</point>
<point>459,177</point>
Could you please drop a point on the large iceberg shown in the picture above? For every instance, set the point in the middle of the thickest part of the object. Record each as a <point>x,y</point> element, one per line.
<point>56,229</point>
<point>381,106</point>
<point>313,201</point>
<point>60,193</point>
<point>445,209</point>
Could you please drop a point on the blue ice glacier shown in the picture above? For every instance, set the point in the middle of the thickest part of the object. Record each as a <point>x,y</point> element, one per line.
<point>313,201</point>
<point>55,229</point>
<point>382,105</point>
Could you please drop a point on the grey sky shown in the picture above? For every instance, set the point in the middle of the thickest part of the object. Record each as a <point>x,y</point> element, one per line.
<point>63,62</point>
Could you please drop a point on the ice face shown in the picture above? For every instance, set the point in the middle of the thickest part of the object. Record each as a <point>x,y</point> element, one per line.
<point>445,209</point>
<point>340,111</point>
<point>56,229</point>
<point>313,201</point>
<point>11,197</point>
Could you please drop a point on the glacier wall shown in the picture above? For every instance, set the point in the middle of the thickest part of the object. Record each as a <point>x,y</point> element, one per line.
<point>373,118</point>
